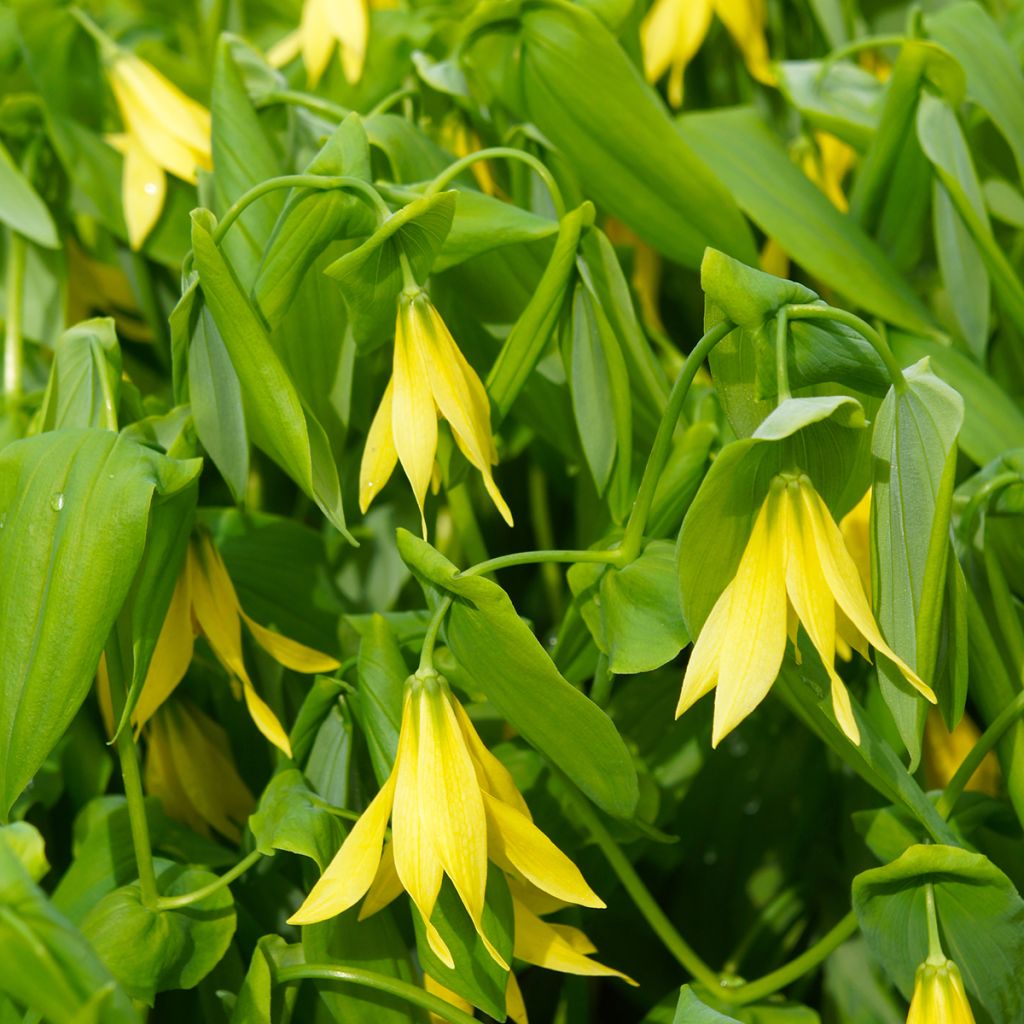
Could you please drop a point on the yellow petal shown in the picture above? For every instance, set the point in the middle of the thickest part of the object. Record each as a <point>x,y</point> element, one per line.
<point>539,943</point>
<point>414,416</point>
<point>285,50</point>
<point>173,652</point>
<point>379,455</point>
<point>317,39</point>
<point>434,987</point>
<point>844,581</point>
<point>385,887</point>
<point>143,189</point>
<point>944,752</point>
<point>288,652</point>
<point>162,781</point>
<point>856,530</point>
<point>350,25</point>
<point>266,721</point>
<point>516,844</point>
<point>774,259</point>
<point>215,605</point>
<point>354,866</point>
<point>757,613</point>
<point>671,34</point>
<point>745,21</point>
<point>701,674</point>
<point>515,1008</point>
<point>575,937</point>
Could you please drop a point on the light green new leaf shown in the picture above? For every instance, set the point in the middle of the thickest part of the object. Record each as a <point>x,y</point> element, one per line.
<point>74,506</point>
<point>274,414</point>
<point>21,209</point>
<point>691,1009</point>
<point>981,921</point>
<point>26,842</point>
<point>508,664</point>
<point>845,100</point>
<point>291,817</point>
<point>259,1000</point>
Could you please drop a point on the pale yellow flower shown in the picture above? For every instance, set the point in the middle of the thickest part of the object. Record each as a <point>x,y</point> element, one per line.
<point>430,377</point>
<point>826,164</point>
<point>204,602</point>
<point>327,24</point>
<point>939,996</point>
<point>795,570</point>
<point>673,30</point>
<point>453,807</point>
<point>945,751</point>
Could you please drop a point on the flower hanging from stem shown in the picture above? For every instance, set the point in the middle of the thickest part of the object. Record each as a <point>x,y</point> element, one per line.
<point>939,996</point>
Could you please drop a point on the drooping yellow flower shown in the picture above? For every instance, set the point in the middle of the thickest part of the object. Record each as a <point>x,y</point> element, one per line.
<point>164,131</point>
<point>190,769</point>
<point>794,570</point>
<point>827,164</point>
<point>430,377</point>
<point>326,24</point>
<point>204,601</point>
<point>939,996</point>
<point>673,30</point>
<point>944,752</point>
<point>453,806</point>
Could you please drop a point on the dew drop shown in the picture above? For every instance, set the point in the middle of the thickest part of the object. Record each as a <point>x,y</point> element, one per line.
<point>149,188</point>
<point>710,856</point>
<point>751,807</point>
<point>57,502</point>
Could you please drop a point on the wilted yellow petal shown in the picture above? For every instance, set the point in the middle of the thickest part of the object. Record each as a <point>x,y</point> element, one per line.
<point>745,21</point>
<point>143,189</point>
<point>385,887</point>
<point>266,721</point>
<point>288,652</point>
<point>354,866</point>
<point>517,845</point>
<point>161,779</point>
<point>538,942</point>
<point>701,674</point>
<point>215,605</point>
<point>757,614</point>
<point>350,25</point>
<point>173,652</point>
<point>379,455</point>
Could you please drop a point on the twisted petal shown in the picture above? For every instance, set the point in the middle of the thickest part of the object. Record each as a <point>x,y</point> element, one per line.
<point>266,721</point>
<point>288,652</point>
<point>379,455</point>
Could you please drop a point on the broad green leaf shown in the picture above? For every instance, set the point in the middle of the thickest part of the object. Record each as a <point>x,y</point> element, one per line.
<point>508,664</point>
<point>328,767</point>
<point>377,703</point>
<point>1004,201</point>
<point>320,700</point>
<point>691,1009</point>
<point>744,152</point>
<point>151,951</point>
<point>573,80</point>
<point>84,388</point>
<point>47,965</point>
<point>74,506</point>
<point>259,1000</point>
<point>274,415</point>
<point>859,990</point>
<point>981,920</point>
<point>748,297</point>
<point>844,99</point>
<point>292,817</point>
<point>411,155</point>
<point>633,613</point>
<point>21,209</point>
<point>914,448</point>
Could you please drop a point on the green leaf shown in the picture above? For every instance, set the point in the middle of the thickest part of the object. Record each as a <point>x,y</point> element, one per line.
<point>260,1001</point>
<point>844,99</point>
<point>691,1009</point>
<point>151,951</point>
<point>377,703</point>
<point>292,817</point>
<point>508,664</point>
<point>748,157</point>
<point>26,842</point>
<point>748,297</point>
<point>275,418</point>
<point>84,389</point>
<point>981,921</point>
<point>75,506</point>
<point>21,209</point>
<point>633,613</point>
<point>914,448</point>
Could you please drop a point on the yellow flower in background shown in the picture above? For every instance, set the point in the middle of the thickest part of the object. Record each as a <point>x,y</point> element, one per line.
<point>459,138</point>
<point>944,752</point>
<point>826,164</point>
<point>430,377</point>
<point>327,24</point>
<point>673,30</point>
<point>204,602</point>
<point>939,996</point>
<point>795,569</point>
<point>453,806</point>
<point>190,769</point>
<point>164,131</point>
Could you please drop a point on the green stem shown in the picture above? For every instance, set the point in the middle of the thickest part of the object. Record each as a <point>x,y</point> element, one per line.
<point>610,557</point>
<point>986,741</point>
<point>188,898</point>
<point>540,519</point>
<point>640,895</point>
<point>14,342</point>
<point>782,355</point>
<point>292,97</point>
<point>380,982</point>
<point>391,99</point>
<point>662,447</point>
<point>452,171</point>
<point>935,950</point>
<point>128,756</point>
<point>874,339</point>
<point>430,638</point>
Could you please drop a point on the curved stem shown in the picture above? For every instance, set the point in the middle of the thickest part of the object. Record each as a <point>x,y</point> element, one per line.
<point>782,356</point>
<point>662,447</point>
<point>430,639</point>
<point>294,98</point>
<point>610,557</point>
<point>452,171</point>
<point>874,339</point>
<point>986,741</point>
<point>983,495</point>
<point>380,982</point>
<point>188,898</point>
<point>391,99</point>
<point>868,43</point>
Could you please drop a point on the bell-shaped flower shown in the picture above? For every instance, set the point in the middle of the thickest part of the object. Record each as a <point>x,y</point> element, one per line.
<point>795,570</point>
<point>453,807</point>
<point>204,602</point>
<point>673,30</point>
<point>430,378</point>
<point>164,131</point>
<point>939,996</point>
<point>324,25</point>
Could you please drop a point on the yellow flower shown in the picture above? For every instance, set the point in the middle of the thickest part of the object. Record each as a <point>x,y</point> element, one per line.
<point>165,131</point>
<point>189,767</point>
<point>673,30</point>
<point>795,569</point>
<point>458,137</point>
<point>939,996</point>
<point>324,24</point>
<point>430,377</point>
<point>944,751</point>
<point>827,164</point>
<point>453,806</point>
<point>204,601</point>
